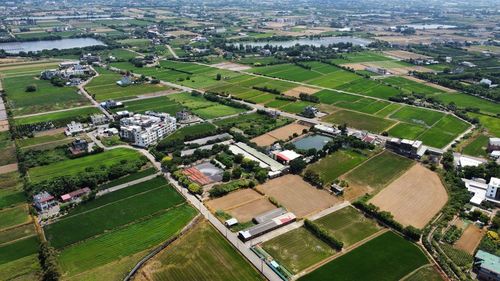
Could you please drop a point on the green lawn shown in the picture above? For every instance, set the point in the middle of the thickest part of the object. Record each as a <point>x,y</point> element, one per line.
<point>190,131</point>
<point>388,257</point>
<point>124,242</point>
<point>202,254</point>
<point>380,170</point>
<point>298,249</point>
<point>359,121</point>
<point>336,164</point>
<point>348,225</point>
<point>78,165</point>
<point>109,216</point>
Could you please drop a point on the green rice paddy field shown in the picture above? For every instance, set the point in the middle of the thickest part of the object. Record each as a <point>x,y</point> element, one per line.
<point>348,225</point>
<point>104,87</point>
<point>75,166</point>
<point>111,211</point>
<point>47,97</point>
<point>201,254</point>
<point>298,249</point>
<point>74,114</point>
<point>380,170</point>
<point>337,163</point>
<point>388,257</point>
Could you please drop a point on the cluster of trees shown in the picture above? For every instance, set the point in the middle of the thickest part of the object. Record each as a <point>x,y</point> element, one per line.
<point>31,88</point>
<point>454,81</point>
<point>91,177</point>
<point>313,178</point>
<point>323,235</point>
<point>310,98</point>
<point>187,183</point>
<point>220,190</point>
<point>267,90</point>
<point>222,100</point>
<point>303,65</point>
<point>388,219</point>
<point>48,262</point>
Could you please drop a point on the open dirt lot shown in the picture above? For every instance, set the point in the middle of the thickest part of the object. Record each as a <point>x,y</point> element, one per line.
<point>470,239</point>
<point>243,204</point>
<point>298,196</point>
<point>233,199</point>
<point>231,66</point>
<point>404,55</point>
<point>251,209</point>
<point>282,133</point>
<point>295,92</point>
<point>414,198</point>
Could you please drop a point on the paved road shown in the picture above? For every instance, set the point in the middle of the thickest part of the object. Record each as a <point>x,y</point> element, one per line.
<point>172,51</point>
<point>81,87</point>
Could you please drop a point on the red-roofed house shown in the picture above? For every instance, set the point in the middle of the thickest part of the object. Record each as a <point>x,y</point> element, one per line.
<point>75,194</point>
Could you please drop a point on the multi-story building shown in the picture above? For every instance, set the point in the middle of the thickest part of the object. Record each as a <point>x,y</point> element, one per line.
<point>146,129</point>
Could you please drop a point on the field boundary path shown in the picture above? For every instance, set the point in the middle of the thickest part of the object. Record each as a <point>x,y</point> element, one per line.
<point>172,51</point>
<point>127,184</point>
<point>164,245</point>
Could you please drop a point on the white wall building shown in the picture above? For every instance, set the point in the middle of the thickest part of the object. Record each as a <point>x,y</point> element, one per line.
<point>146,129</point>
<point>483,191</point>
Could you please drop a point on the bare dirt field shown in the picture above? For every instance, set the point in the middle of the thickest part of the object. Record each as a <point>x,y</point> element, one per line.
<point>243,204</point>
<point>282,133</point>
<point>233,199</point>
<point>404,55</point>
<point>4,125</point>
<point>298,196</point>
<point>405,70</point>
<point>295,92</point>
<point>8,168</point>
<point>231,66</point>
<point>414,198</point>
<point>470,239</point>
<point>251,209</point>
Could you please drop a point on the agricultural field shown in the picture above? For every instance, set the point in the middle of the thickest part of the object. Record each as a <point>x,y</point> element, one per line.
<point>204,108</point>
<point>362,57</point>
<point>359,121</point>
<point>414,198</point>
<point>387,257</point>
<point>290,191</point>
<point>336,164</point>
<point>352,102</point>
<point>243,204</point>
<point>158,104</point>
<point>253,124</point>
<point>282,133</point>
<point>19,241</point>
<point>40,140</point>
<point>120,243</point>
<point>298,249</point>
<point>492,124</point>
<point>190,132</point>
<point>433,128</point>
<point>348,225</point>
<point>104,87</point>
<point>201,254</point>
<point>60,118</point>
<point>87,220</point>
<point>428,273</point>
<point>7,149</point>
<point>377,172</point>
<point>470,239</point>
<point>477,146</point>
<point>409,86</point>
<point>75,166</point>
<point>46,96</point>
<point>463,101</point>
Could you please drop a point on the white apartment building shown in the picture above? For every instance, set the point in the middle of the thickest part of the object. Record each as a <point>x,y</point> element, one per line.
<point>146,129</point>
